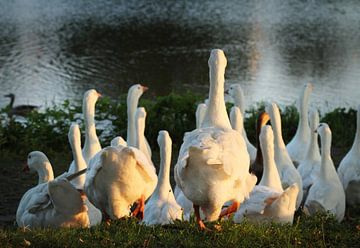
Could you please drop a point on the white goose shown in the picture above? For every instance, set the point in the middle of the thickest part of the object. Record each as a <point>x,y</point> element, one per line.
<point>92,144</point>
<point>200,114</point>
<point>53,202</point>
<point>310,166</point>
<point>134,94</point>
<point>326,193</point>
<point>181,199</point>
<point>117,177</point>
<point>80,164</point>
<point>162,207</point>
<point>268,201</point>
<point>302,136</point>
<point>213,162</point>
<point>236,93</point>
<point>141,142</point>
<point>287,171</point>
<point>349,169</point>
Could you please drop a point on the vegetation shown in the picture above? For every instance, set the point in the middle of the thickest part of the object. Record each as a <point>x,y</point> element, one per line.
<point>47,130</point>
<point>317,231</point>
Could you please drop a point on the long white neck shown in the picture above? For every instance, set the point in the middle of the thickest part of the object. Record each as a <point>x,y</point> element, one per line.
<point>140,142</point>
<point>216,115</point>
<point>236,119</point>
<point>270,177</point>
<point>92,144</point>
<point>45,173</point>
<point>132,103</point>
<point>79,162</point>
<point>356,145</point>
<point>239,100</point>
<point>326,161</point>
<point>313,152</point>
<point>276,125</point>
<point>163,187</point>
<point>282,157</point>
<point>303,129</point>
<point>200,114</point>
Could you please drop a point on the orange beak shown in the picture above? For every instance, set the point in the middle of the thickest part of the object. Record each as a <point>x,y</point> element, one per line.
<point>144,88</point>
<point>99,95</point>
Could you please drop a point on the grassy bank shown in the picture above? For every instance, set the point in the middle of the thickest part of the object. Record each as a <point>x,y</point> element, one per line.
<point>318,231</point>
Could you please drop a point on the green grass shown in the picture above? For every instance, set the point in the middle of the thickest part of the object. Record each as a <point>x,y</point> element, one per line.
<point>317,231</point>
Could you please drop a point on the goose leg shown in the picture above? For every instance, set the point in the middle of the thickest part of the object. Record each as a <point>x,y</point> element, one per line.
<point>106,218</point>
<point>139,210</point>
<point>198,218</point>
<point>229,210</point>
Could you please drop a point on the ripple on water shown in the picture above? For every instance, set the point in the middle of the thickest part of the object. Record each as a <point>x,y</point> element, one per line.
<point>51,50</point>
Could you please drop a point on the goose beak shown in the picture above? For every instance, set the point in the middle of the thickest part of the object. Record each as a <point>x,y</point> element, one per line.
<point>26,168</point>
<point>226,91</point>
<point>144,88</point>
<point>99,95</point>
<point>7,95</point>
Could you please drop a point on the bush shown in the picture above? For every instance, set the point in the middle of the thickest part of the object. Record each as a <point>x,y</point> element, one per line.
<point>47,130</point>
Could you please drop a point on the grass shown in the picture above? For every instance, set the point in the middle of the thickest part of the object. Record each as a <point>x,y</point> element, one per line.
<point>318,231</point>
<point>174,113</point>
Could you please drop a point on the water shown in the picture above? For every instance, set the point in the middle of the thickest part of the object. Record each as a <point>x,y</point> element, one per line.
<point>51,50</point>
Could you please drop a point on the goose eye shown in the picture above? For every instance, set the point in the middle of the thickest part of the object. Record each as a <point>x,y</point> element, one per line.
<point>29,157</point>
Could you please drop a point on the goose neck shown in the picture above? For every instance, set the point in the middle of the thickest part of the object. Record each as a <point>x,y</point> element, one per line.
<point>216,115</point>
<point>131,129</point>
<point>139,134</point>
<point>45,173</point>
<point>276,124</point>
<point>239,101</point>
<point>89,117</point>
<point>12,100</point>
<point>270,176</point>
<point>78,156</point>
<point>304,108</point>
<point>164,186</point>
<point>356,144</point>
<point>326,160</point>
<point>313,149</point>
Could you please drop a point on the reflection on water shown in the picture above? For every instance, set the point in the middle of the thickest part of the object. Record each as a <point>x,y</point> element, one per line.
<point>54,50</point>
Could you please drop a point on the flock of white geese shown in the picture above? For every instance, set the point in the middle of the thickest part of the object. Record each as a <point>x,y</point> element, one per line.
<point>218,171</point>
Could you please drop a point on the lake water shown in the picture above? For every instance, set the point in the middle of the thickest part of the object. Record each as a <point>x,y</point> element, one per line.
<point>51,50</point>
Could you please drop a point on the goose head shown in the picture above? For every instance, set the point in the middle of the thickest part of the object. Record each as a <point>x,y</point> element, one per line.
<point>36,161</point>
<point>286,203</point>
<point>74,135</point>
<point>136,91</point>
<point>266,138</point>
<point>163,138</point>
<point>118,141</point>
<point>91,97</point>
<point>217,58</point>
<point>236,93</point>
<point>140,113</point>
<point>323,130</point>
